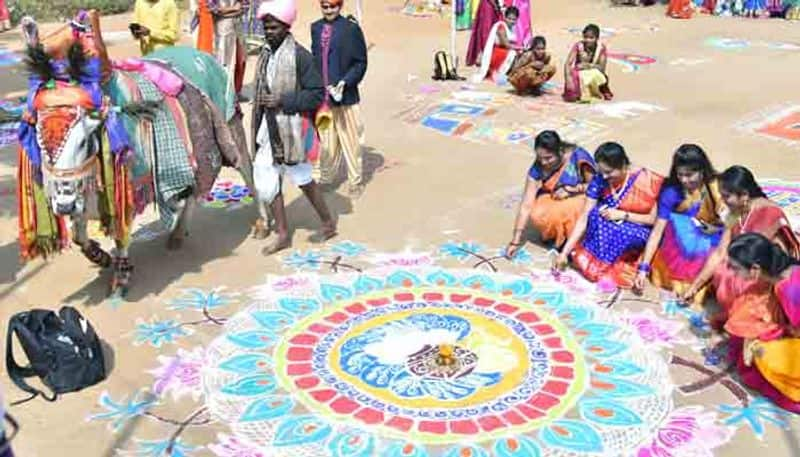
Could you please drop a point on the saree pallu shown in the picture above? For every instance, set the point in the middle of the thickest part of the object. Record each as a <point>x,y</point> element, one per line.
<point>522,29</point>
<point>685,245</point>
<point>680,9</point>
<point>487,16</point>
<point>775,367</point>
<point>610,250</point>
<point>4,15</point>
<point>734,292</point>
<point>555,219</point>
<point>463,14</point>
<point>205,28</point>
<point>496,60</point>
<point>587,84</point>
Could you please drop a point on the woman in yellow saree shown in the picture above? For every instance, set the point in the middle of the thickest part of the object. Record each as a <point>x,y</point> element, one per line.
<point>585,69</point>
<point>554,191</point>
<point>765,340</point>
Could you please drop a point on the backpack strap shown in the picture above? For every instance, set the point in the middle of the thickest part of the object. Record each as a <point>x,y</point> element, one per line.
<point>5,440</point>
<point>18,373</point>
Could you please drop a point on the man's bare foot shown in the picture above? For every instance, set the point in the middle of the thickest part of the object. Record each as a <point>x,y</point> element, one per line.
<point>279,245</point>
<point>327,232</point>
<point>261,229</point>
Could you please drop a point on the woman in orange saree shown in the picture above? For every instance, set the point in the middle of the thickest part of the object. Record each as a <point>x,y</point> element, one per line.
<point>616,220</point>
<point>765,340</point>
<point>203,22</point>
<point>680,9</point>
<point>750,211</point>
<point>554,191</point>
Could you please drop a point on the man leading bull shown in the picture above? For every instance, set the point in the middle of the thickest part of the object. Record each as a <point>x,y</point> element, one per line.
<point>289,89</point>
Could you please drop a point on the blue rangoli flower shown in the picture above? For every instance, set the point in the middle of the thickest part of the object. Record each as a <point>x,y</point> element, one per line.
<point>123,411</point>
<point>156,332</point>
<point>460,251</point>
<point>348,249</point>
<point>521,257</point>
<point>759,412</point>
<point>199,300</point>
<point>299,261</point>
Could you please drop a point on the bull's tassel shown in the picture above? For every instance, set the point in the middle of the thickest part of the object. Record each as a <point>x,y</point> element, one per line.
<point>123,201</point>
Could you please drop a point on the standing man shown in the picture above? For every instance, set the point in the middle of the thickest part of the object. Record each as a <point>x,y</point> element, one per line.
<point>155,24</point>
<point>288,91</point>
<point>341,54</point>
<point>228,39</point>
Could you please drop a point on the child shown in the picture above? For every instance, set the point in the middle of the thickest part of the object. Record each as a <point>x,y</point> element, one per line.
<point>532,68</point>
<point>585,69</point>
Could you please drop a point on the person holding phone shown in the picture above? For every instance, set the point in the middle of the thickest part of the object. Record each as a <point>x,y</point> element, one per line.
<point>155,24</point>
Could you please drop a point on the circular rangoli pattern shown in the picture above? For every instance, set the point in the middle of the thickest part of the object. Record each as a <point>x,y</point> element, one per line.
<point>419,362</point>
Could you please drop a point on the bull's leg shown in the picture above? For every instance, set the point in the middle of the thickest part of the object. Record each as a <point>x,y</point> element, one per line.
<point>122,271</point>
<point>90,248</point>
<point>178,234</point>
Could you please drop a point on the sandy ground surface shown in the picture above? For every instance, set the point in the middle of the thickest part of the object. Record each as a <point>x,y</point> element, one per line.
<point>424,188</point>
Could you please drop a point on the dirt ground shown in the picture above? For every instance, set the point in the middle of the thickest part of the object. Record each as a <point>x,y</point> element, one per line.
<point>425,187</point>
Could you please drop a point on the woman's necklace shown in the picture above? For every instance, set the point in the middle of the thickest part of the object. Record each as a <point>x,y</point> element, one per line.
<point>616,194</point>
<point>746,216</point>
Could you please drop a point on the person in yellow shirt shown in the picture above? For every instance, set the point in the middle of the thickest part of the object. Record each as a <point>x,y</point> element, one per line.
<point>155,24</point>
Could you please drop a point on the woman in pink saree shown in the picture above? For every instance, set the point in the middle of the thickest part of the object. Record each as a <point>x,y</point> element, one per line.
<point>5,17</point>
<point>585,69</point>
<point>488,15</point>
<point>522,29</point>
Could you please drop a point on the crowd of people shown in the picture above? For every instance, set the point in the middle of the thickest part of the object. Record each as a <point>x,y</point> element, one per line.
<point>690,233</point>
<point>528,67</point>
<point>685,9</point>
<point>306,118</point>
<point>696,233</point>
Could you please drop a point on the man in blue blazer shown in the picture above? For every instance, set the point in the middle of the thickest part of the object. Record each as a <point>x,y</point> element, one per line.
<point>340,51</point>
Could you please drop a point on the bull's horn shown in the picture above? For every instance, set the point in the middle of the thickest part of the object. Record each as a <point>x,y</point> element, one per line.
<point>30,31</point>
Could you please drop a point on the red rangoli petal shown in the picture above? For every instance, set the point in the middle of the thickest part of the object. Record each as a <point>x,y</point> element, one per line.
<point>435,427</point>
<point>464,427</point>
<point>344,405</point>
<point>505,308</point>
<point>489,423</point>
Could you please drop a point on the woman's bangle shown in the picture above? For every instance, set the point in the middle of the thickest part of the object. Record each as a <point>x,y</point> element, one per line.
<point>644,267</point>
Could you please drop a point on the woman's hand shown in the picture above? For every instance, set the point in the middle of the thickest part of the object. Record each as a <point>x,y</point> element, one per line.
<point>561,193</point>
<point>613,214</point>
<point>512,249</point>
<point>640,282</point>
<point>688,294</point>
<point>560,262</point>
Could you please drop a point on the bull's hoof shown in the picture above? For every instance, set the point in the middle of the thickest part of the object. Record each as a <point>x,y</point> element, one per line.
<point>96,254</point>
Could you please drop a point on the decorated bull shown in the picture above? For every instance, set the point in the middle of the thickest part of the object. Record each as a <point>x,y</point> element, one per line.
<point>103,138</point>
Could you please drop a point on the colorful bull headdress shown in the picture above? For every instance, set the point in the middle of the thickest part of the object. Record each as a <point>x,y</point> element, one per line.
<point>67,70</point>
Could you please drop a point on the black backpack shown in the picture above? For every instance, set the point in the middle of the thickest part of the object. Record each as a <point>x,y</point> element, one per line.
<point>443,68</point>
<point>63,350</point>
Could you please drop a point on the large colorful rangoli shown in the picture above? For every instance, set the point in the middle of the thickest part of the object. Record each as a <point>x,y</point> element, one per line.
<point>426,362</point>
